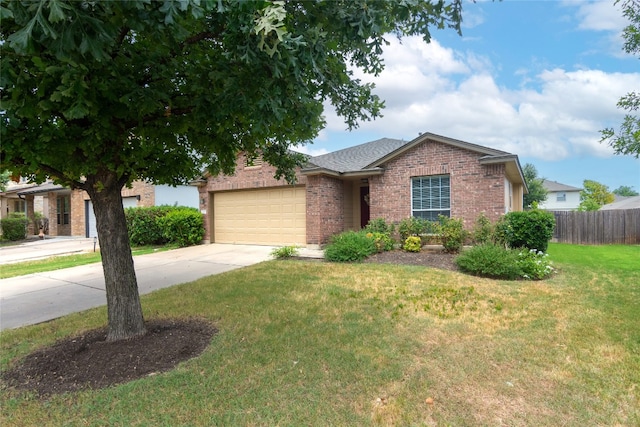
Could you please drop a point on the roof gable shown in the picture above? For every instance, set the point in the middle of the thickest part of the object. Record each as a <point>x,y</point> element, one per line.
<point>356,158</point>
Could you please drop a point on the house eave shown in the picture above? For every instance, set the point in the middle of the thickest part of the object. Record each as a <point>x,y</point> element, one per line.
<point>349,174</point>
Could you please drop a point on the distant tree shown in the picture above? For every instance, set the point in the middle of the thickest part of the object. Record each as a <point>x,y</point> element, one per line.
<point>4,180</point>
<point>627,140</point>
<point>625,191</point>
<point>97,94</point>
<point>594,195</point>
<point>537,192</point>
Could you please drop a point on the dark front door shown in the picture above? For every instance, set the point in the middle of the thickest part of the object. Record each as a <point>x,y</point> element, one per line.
<point>364,206</point>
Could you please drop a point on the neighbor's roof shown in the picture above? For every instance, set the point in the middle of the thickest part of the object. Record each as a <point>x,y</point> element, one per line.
<point>556,186</point>
<point>369,157</point>
<point>632,202</point>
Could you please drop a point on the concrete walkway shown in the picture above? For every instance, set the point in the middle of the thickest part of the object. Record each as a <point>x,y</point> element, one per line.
<point>39,297</point>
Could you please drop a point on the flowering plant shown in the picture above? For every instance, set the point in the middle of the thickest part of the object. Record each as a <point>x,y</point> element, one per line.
<point>534,264</point>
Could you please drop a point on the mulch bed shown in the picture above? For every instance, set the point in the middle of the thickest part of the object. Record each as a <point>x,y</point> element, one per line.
<point>89,362</point>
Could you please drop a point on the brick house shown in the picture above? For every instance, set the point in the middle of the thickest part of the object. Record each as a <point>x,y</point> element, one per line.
<point>70,212</point>
<point>343,190</point>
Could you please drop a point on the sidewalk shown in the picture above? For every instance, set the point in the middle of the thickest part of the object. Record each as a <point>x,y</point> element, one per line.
<point>40,297</point>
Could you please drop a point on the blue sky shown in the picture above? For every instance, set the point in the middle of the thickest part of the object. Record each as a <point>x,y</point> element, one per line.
<point>535,78</point>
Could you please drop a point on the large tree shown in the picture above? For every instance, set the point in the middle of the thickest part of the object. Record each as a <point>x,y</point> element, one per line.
<point>627,140</point>
<point>537,193</point>
<point>594,195</point>
<point>625,191</point>
<point>96,94</point>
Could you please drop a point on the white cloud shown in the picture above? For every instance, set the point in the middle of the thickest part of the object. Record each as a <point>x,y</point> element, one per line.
<point>306,149</point>
<point>430,88</point>
<point>600,16</point>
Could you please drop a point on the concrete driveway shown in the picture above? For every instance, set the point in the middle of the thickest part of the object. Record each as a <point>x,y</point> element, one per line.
<point>39,297</point>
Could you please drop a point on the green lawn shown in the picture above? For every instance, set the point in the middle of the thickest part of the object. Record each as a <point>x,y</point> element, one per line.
<point>65,261</point>
<point>308,343</point>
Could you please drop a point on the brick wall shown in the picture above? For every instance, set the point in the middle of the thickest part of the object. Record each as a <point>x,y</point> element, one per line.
<point>245,177</point>
<point>325,208</point>
<point>474,188</point>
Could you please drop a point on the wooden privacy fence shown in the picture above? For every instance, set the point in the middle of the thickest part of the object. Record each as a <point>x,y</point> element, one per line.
<point>598,227</point>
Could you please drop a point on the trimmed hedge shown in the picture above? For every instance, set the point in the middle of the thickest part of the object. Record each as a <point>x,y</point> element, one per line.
<point>14,228</point>
<point>183,226</point>
<point>527,229</point>
<point>159,225</point>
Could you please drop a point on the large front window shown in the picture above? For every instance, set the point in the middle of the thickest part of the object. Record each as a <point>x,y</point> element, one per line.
<point>430,197</point>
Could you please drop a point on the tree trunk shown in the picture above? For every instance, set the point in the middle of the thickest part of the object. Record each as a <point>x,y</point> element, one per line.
<point>123,300</point>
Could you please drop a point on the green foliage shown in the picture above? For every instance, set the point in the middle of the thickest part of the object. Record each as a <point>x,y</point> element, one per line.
<point>528,229</point>
<point>452,233</point>
<point>143,226</point>
<point>483,230</point>
<point>382,241</point>
<point>627,140</point>
<point>490,261</point>
<point>625,191</point>
<point>183,226</point>
<point>379,225</point>
<point>537,193</point>
<point>534,265</point>
<point>349,246</point>
<point>4,180</point>
<point>14,227</point>
<point>412,244</point>
<point>413,226</point>
<point>284,252</point>
<point>594,195</point>
<point>158,225</point>
<point>496,262</point>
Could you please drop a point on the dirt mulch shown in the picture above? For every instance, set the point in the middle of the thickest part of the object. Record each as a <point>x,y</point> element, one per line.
<point>89,362</point>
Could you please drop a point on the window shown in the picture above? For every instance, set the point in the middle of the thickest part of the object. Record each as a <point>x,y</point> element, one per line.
<point>19,206</point>
<point>561,197</point>
<point>62,205</point>
<point>430,197</point>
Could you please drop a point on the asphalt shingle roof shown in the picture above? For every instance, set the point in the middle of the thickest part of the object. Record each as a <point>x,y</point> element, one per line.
<point>556,186</point>
<point>357,157</point>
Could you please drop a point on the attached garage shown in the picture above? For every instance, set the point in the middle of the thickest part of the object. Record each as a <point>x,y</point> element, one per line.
<point>269,216</point>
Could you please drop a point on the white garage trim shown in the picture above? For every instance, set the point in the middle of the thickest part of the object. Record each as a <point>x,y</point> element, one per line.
<point>271,216</point>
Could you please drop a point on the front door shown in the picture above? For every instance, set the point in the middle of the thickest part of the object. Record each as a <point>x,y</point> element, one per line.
<point>364,206</point>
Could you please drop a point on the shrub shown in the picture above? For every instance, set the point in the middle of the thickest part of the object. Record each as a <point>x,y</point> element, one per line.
<point>285,252</point>
<point>483,230</point>
<point>14,227</point>
<point>452,234</point>
<point>490,261</point>
<point>349,246</point>
<point>534,264</point>
<point>412,244</point>
<point>528,229</point>
<point>143,226</point>
<point>379,225</point>
<point>414,227</point>
<point>382,241</point>
<point>183,226</point>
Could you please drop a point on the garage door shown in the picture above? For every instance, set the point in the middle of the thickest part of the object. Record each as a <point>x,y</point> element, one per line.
<point>274,216</point>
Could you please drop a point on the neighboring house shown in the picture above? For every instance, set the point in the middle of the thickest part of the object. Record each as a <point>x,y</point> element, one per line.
<point>343,190</point>
<point>560,197</point>
<point>632,202</point>
<point>70,212</point>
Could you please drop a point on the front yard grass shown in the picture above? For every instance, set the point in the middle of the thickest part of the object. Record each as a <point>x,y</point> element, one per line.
<point>65,261</point>
<point>308,343</point>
